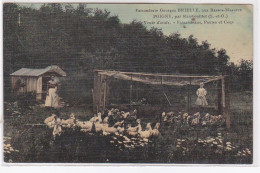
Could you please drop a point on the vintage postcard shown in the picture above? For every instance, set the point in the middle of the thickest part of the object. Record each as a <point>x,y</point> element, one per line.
<point>128,83</point>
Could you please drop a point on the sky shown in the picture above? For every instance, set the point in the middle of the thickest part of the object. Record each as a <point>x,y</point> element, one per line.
<point>234,34</point>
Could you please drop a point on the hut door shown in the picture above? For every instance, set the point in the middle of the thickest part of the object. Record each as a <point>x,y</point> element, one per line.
<point>44,84</point>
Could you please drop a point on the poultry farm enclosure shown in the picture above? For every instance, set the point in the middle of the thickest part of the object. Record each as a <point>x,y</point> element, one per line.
<point>103,78</point>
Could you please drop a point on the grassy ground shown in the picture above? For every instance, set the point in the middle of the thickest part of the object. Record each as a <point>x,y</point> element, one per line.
<point>34,143</point>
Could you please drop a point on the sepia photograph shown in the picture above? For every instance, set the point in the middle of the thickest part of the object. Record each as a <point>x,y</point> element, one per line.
<point>127,83</point>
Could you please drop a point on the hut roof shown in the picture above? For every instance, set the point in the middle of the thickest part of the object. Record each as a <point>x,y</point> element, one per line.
<point>39,72</point>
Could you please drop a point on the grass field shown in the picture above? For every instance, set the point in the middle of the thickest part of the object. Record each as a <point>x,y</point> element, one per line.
<point>28,140</point>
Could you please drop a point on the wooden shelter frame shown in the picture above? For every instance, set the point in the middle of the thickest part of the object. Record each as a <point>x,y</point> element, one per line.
<point>101,89</point>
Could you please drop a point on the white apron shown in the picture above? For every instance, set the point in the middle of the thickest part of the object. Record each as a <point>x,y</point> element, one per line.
<point>52,100</point>
<point>201,100</point>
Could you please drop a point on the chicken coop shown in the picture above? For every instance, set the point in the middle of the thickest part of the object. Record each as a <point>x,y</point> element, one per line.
<point>27,80</point>
<point>103,78</point>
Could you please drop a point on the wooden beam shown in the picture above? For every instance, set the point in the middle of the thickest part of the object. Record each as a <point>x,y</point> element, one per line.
<point>107,91</point>
<point>189,98</point>
<point>96,92</point>
<point>39,88</point>
<point>100,91</point>
<point>104,94</point>
<point>227,103</point>
<point>156,74</point>
<point>225,100</point>
<point>131,90</point>
<point>223,93</point>
<point>220,111</point>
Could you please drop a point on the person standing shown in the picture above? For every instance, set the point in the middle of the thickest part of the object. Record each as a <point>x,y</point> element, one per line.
<point>52,98</point>
<point>201,93</point>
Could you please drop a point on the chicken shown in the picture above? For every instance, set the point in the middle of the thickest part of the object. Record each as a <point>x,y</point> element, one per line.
<point>119,123</point>
<point>84,124</point>
<point>120,129</point>
<point>105,120</point>
<point>69,122</point>
<point>106,133</point>
<point>169,114</point>
<point>50,121</point>
<point>57,128</point>
<point>99,117</point>
<point>125,115</point>
<point>144,134</point>
<point>132,133</point>
<point>131,129</point>
<point>93,119</point>
<point>157,126</point>
<point>155,131</point>
<point>148,126</point>
<point>196,119</point>
<point>110,129</point>
<point>163,115</point>
<point>99,126</point>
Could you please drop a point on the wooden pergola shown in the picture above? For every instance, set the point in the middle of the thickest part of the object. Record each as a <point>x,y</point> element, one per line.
<point>102,79</point>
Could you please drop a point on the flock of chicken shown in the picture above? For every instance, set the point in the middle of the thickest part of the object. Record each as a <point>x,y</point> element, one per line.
<point>125,128</point>
<point>113,122</point>
<point>193,120</point>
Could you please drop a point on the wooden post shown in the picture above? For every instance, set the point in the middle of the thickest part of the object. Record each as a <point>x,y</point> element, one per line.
<point>220,111</point>
<point>96,93</point>
<point>39,88</point>
<point>136,91</point>
<point>107,91</point>
<point>131,89</point>
<point>190,96</point>
<point>225,100</point>
<point>101,89</point>
<point>104,94</point>
<point>188,100</point>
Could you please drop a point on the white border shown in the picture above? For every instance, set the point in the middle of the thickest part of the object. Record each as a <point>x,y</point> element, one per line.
<point>152,167</point>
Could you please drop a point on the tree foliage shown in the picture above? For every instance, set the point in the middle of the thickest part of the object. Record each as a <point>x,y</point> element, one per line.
<point>82,39</point>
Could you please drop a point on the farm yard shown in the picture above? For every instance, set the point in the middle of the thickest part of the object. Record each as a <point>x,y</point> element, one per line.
<point>82,85</point>
<point>182,138</point>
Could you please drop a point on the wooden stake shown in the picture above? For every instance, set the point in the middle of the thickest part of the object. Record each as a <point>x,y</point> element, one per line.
<point>227,103</point>
<point>131,89</point>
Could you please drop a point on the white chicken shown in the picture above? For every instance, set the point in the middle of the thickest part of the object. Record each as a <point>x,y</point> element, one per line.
<point>84,125</point>
<point>99,126</point>
<point>111,130</point>
<point>120,129</point>
<point>50,121</point>
<point>69,122</point>
<point>57,128</point>
<point>155,130</point>
<point>96,118</point>
<point>125,115</point>
<point>148,126</point>
<point>119,123</point>
<point>143,134</point>
<point>196,119</point>
<point>105,120</point>
<point>132,131</point>
<point>163,115</point>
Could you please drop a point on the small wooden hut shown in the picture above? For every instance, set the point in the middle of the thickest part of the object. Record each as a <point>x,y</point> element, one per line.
<point>28,80</point>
